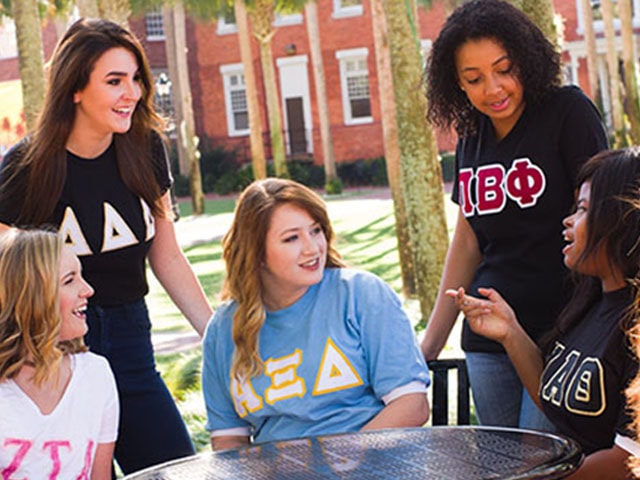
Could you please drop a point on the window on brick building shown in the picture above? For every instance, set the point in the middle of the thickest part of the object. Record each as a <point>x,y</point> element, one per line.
<point>163,100</point>
<point>154,24</point>
<point>347,8</point>
<point>354,82</point>
<point>8,44</point>
<point>235,97</point>
<point>227,23</point>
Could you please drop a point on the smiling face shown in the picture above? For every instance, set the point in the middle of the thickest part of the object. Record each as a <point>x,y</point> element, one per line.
<point>295,256</point>
<point>105,106</point>
<point>576,235</point>
<point>488,77</point>
<point>74,295</point>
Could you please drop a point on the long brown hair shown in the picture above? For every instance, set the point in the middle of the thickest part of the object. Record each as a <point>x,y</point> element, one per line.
<point>243,250</point>
<point>43,159</point>
<point>613,227</point>
<point>29,304</point>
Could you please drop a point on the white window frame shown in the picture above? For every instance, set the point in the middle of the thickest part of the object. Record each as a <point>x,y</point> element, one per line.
<point>8,42</point>
<point>340,11</point>
<point>343,57</point>
<point>598,25</point>
<point>155,18</point>
<point>228,71</point>
<point>224,28</point>
<point>282,20</point>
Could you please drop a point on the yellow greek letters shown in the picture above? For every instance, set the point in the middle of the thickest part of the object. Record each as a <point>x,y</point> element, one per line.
<point>284,380</point>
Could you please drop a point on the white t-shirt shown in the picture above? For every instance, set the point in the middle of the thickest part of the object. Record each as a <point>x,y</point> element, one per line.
<point>62,444</point>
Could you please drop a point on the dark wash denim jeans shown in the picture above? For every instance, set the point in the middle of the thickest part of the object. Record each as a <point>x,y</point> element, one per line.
<point>151,430</point>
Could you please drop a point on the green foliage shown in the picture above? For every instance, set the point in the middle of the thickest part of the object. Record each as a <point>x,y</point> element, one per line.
<point>333,187</point>
<point>370,172</point>
<point>181,372</point>
<point>447,162</point>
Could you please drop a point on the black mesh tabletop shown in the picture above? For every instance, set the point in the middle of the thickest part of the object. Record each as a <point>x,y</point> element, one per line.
<point>446,453</point>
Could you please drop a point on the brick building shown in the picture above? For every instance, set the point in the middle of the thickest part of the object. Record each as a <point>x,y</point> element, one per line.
<point>217,82</point>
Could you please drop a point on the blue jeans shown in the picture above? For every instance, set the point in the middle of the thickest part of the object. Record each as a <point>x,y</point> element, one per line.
<point>499,396</point>
<point>151,429</point>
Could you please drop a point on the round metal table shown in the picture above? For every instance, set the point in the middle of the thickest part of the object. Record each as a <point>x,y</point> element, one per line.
<point>445,453</point>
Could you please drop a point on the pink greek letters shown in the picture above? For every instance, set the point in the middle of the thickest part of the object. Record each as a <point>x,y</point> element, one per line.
<point>523,183</point>
<point>56,451</point>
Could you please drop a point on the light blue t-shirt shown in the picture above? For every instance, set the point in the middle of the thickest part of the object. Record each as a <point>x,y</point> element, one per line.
<point>332,360</point>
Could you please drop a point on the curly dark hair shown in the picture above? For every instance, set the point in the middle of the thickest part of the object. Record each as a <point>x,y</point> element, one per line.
<point>535,59</point>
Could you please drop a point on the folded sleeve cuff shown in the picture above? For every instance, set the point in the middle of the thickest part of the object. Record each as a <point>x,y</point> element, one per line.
<point>412,387</point>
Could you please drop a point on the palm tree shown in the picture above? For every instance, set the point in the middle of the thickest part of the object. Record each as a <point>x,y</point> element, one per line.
<point>262,14</point>
<point>117,11</point>
<point>258,160</point>
<point>88,8</point>
<point>542,14</point>
<point>630,68</point>
<point>614,78</point>
<point>30,57</point>
<point>592,54</point>
<point>332,181</point>
<point>176,49</point>
<point>420,169</point>
<point>391,147</point>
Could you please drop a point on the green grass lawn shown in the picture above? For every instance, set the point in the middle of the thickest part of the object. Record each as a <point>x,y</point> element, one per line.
<point>365,230</point>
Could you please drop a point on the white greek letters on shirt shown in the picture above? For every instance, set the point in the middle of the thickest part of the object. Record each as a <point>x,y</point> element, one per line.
<point>149,222</point>
<point>116,232</point>
<point>523,183</point>
<point>55,450</point>
<point>577,383</point>
<point>72,235</point>
<point>335,373</point>
<point>284,381</point>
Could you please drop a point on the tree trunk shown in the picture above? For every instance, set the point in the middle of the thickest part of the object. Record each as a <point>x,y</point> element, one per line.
<point>88,8</point>
<point>117,11</point>
<point>391,147</point>
<point>329,159</point>
<point>592,54</point>
<point>420,169</point>
<point>258,160</point>
<point>30,58</point>
<point>261,15</point>
<point>630,69</point>
<point>614,80</point>
<point>176,45</point>
<point>541,13</point>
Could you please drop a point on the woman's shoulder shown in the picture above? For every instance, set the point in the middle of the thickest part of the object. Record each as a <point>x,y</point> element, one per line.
<point>355,279</point>
<point>567,96</point>
<point>221,320</point>
<point>16,152</point>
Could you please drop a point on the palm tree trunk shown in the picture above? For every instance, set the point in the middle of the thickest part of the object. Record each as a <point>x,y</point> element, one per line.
<point>614,80</point>
<point>331,173</point>
<point>30,58</point>
<point>258,160</point>
<point>88,8</point>
<point>176,45</point>
<point>420,169</point>
<point>261,16</point>
<point>592,54</point>
<point>391,147</point>
<point>630,69</point>
<point>541,13</point>
<point>117,11</point>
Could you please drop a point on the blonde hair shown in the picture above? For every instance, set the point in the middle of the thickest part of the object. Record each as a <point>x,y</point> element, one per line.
<point>633,392</point>
<point>29,304</point>
<point>243,250</point>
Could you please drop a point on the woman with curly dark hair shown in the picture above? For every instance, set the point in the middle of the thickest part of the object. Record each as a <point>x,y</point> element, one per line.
<point>495,78</point>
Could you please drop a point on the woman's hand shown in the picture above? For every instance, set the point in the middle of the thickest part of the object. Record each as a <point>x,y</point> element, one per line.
<point>491,317</point>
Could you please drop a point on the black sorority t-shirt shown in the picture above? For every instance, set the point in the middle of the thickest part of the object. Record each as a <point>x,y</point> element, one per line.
<point>582,386</point>
<point>515,193</point>
<point>106,225</point>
